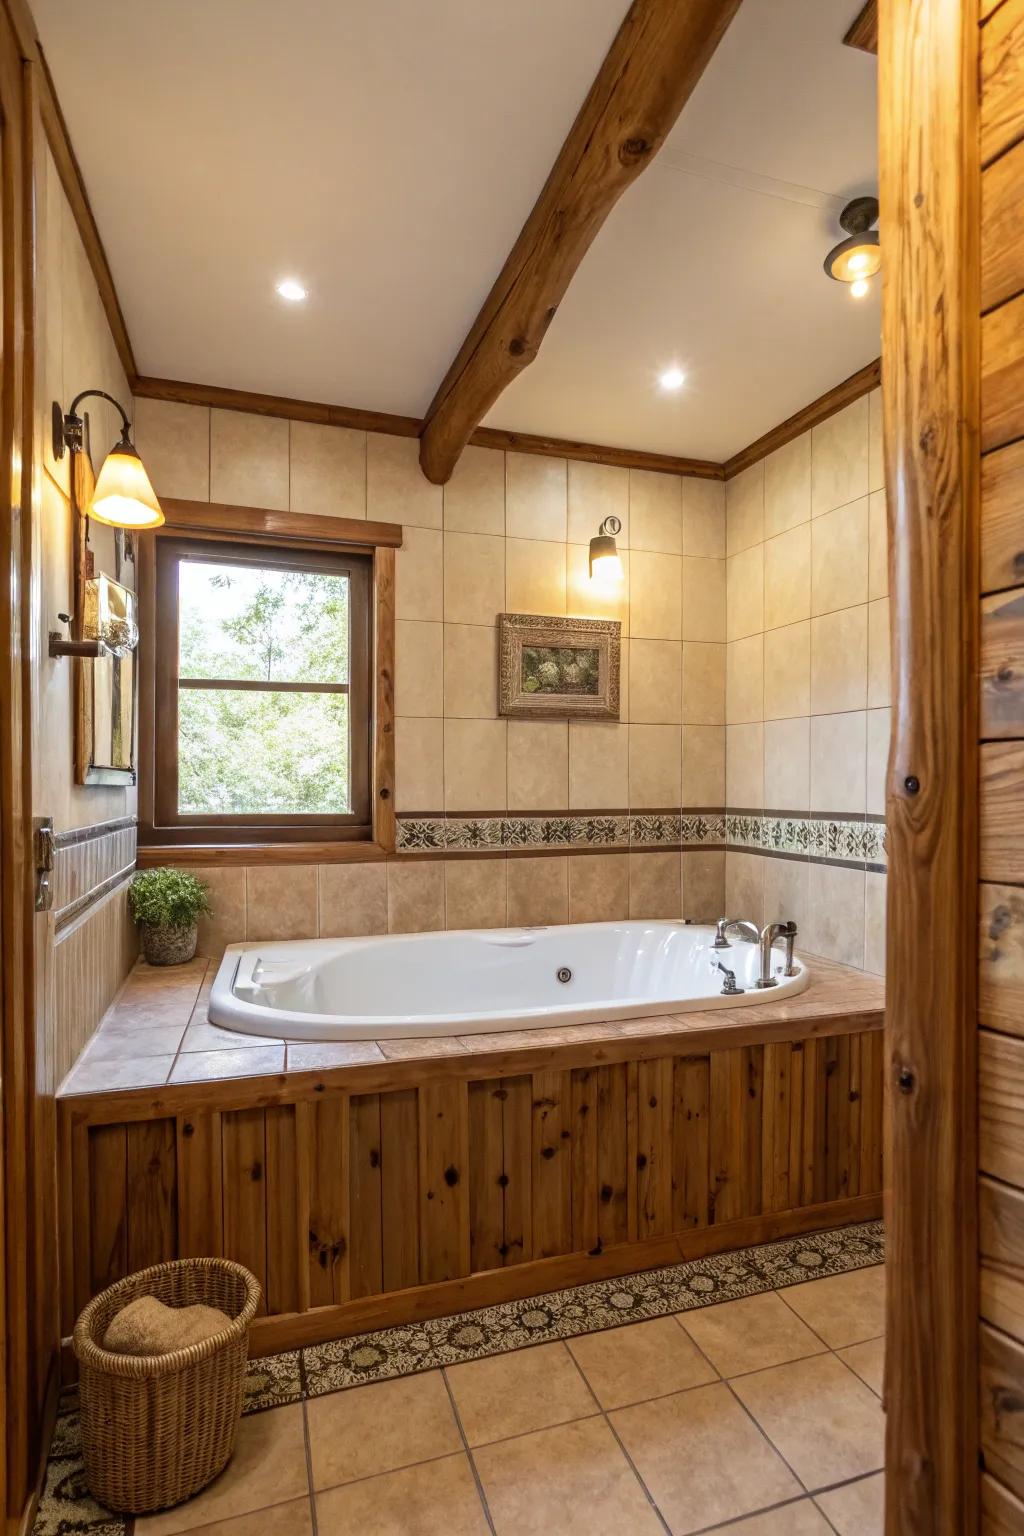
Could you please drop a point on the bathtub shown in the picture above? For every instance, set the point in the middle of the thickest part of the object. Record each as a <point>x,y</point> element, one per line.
<point>479,980</point>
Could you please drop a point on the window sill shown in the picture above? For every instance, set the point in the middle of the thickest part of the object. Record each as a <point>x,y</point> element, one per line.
<point>231,855</point>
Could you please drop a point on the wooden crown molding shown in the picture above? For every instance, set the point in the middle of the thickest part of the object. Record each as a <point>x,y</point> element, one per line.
<point>851,389</point>
<point>863,32</point>
<point>659,53</point>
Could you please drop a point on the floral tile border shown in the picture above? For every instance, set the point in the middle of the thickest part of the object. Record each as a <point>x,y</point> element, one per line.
<point>66,1506</point>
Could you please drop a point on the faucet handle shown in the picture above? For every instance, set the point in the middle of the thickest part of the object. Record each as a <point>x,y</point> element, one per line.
<point>720,941</point>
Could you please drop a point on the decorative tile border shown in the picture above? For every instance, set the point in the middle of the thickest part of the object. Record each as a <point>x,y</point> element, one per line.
<point>275,1380</point>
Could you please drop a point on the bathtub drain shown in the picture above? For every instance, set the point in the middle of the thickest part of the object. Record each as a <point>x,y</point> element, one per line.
<point>563,973</point>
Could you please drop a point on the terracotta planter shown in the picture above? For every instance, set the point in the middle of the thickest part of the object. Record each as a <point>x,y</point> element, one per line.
<point>169,945</point>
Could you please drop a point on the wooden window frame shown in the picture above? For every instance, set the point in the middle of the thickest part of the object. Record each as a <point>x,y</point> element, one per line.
<point>164,836</point>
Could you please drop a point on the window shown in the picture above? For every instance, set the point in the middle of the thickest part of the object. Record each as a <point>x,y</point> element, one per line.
<point>262,694</point>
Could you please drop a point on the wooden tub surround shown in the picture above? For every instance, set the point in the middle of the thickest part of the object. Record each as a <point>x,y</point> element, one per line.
<point>368,1184</point>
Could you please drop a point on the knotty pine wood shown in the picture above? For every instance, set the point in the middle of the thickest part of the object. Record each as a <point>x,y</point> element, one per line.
<point>1002,812</point>
<point>1002,372</point>
<point>1001,1371</point>
<point>1002,1513</point>
<point>335,1201</point>
<point>1001,1250</point>
<point>1002,79</point>
<point>1001,958</point>
<point>1002,518</point>
<point>1001,1107</point>
<point>1001,679</point>
<point>863,32</point>
<point>1002,250</point>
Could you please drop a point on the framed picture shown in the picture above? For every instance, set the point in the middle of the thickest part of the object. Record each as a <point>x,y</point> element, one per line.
<point>558,668</point>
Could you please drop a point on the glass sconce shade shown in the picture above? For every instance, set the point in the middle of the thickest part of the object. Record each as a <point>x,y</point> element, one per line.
<point>123,496</point>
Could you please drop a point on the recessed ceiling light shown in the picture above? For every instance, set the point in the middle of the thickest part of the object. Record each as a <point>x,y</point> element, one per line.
<point>291,290</point>
<point>672,378</point>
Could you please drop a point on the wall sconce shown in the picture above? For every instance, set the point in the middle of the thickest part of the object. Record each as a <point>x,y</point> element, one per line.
<point>604,554</point>
<point>859,257</point>
<point>122,496</point>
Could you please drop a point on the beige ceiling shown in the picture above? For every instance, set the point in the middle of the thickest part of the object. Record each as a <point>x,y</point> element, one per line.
<point>387,155</point>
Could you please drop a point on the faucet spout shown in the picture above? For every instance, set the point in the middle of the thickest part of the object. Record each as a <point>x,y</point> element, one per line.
<point>724,924</point>
<point>769,933</point>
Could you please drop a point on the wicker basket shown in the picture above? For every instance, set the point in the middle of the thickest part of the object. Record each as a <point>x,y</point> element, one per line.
<point>157,1428</point>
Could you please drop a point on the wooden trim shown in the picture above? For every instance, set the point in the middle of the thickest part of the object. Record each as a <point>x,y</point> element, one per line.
<point>863,32</point>
<point>382,789</point>
<point>930,188</point>
<point>833,400</point>
<point>235,855</point>
<point>659,54</point>
<point>264,522</point>
<point>593,453</point>
<point>268,1335</point>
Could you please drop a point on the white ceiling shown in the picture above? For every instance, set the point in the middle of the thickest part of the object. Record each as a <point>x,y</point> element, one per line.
<point>387,155</point>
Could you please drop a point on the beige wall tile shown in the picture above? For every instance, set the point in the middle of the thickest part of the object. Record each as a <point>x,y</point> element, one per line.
<point>174,443</point>
<point>419,765</point>
<point>787,577</point>
<point>415,896</point>
<point>474,578</point>
<point>475,894</point>
<point>327,474</point>
<point>703,766</point>
<point>839,661</point>
<point>839,458</point>
<point>744,767</point>
<point>744,680</point>
<point>418,668</point>
<point>536,497</point>
<point>655,766</point>
<point>281,901</point>
<point>835,915</point>
<point>418,575</point>
<point>839,558</point>
<point>703,598</point>
<point>249,460</point>
<point>353,900</point>
<point>655,678</point>
<point>538,891</point>
<point>879,683</point>
<point>655,512</point>
<point>874,923</point>
<point>787,758</point>
<point>876,449</point>
<point>703,884</point>
<point>655,885</point>
<point>600,598</point>
<point>744,886</point>
<point>598,765</point>
<point>597,491</point>
<point>474,497</point>
<point>538,765</point>
<point>534,576</point>
<point>879,730</point>
<point>878,546</point>
<point>598,887</point>
<point>786,885</point>
<point>838,762</point>
<point>744,509</point>
<point>226,922</point>
<point>787,486</point>
<point>703,503</point>
<point>655,596</point>
<point>745,592</point>
<point>474,765</point>
<point>470,672</point>
<point>703,683</point>
<point>787,671</point>
<point>397,490</point>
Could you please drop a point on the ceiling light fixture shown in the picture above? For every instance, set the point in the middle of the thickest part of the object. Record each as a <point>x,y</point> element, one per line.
<point>605,564</point>
<point>672,378</point>
<point>858,257</point>
<point>289,289</point>
<point>122,496</point>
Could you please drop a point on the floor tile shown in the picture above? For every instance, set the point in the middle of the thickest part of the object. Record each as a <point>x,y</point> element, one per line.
<point>437,1498</point>
<point>868,1360</point>
<point>292,1519</point>
<point>828,1425</point>
<point>842,1309</point>
<point>627,1365</point>
<point>513,1394</point>
<point>702,1459</point>
<point>858,1509</point>
<point>380,1427</point>
<point>569,1481</point>
<point>268,1467</point>
<point>801,1519</point>
<point>750,1334</point>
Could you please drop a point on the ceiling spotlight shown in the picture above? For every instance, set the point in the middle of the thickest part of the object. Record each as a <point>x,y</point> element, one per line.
<point>672,378</point>
<point>291,290</point>
<point>858,257</point>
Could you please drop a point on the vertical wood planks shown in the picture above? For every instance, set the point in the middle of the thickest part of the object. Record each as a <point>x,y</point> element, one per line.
<point>152,1193</point>
<point>517,1138</point>
<point>400,1186</point>
<point>691,1172</point>
<point>200,1185</point>
<point>736,1132</point>
<point>287,1213</point>
<point>585,1187</point>
<point>654,1110</point>
<point>103,1249</point>
<point>328,1246</point>
<point>613,1176</point>
<point>487,1177</point>
<point>243,1153</point>
<point>444,1182</point>
<point>366,1269</point>
<point>552,1164</point>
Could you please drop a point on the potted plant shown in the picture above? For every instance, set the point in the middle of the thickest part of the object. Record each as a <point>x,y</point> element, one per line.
<point>167,905</point>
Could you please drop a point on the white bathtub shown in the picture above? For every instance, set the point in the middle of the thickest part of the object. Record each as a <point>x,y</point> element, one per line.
<point>479,980</point>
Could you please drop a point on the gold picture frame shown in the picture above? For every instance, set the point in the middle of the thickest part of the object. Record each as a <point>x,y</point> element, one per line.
<point>551,667</point>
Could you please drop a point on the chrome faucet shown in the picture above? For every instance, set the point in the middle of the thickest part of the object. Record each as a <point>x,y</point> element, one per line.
<point>748,931</point>
<point>729,988</point>
<point>765,940</point>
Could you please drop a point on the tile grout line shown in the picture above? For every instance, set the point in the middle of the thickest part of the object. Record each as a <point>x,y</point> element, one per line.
<point>468,1450</point>
<point>308,1448</point>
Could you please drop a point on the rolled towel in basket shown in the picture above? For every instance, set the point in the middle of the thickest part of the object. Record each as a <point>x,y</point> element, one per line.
<point>147,1327</point>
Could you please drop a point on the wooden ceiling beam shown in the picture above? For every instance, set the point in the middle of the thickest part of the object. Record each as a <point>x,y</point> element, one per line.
<point>659,53</point>
<point>863,32</point>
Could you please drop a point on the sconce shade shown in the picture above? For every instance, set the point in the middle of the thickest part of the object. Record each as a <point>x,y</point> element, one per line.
<point>605,564</point>
<point>123,496</point>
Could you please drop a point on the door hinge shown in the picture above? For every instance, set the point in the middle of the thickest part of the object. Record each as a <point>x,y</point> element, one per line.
<point>42,847</point>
